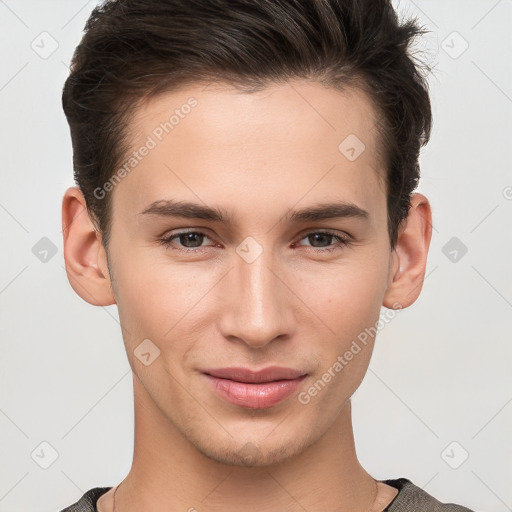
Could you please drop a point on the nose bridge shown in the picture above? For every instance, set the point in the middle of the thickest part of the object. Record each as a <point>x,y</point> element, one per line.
<point>257,311</point>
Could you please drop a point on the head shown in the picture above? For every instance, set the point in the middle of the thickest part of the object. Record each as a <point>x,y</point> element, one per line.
<point>258,112</point>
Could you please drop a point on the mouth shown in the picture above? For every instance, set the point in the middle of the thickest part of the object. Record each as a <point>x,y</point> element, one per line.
<point>255,389</point>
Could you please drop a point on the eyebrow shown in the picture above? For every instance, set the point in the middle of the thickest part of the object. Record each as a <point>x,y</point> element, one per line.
<point>190,210</point>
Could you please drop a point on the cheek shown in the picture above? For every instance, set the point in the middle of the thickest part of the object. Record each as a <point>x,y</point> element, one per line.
<point>348,300</point>
<point>156,298</point>
<point>349,304</point>
<point>360,301</point>
<point>348,297</point>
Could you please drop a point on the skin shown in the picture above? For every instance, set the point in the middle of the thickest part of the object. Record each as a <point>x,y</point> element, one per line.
<point>258,156</point>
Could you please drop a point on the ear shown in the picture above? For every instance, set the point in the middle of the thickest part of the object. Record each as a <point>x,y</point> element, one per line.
<point>84,254</point>
<point>409,258</point>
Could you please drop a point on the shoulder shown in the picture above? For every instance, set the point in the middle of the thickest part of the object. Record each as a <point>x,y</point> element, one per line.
<point>87,503</point>
<point>411,497</point>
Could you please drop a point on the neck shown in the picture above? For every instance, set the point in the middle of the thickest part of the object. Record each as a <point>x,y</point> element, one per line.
<point>169,473</point>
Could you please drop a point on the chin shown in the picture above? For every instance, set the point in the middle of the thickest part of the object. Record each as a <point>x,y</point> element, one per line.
<point>251,454</point>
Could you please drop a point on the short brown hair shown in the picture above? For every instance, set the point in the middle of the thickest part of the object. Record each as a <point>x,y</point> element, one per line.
<point>134,49</point>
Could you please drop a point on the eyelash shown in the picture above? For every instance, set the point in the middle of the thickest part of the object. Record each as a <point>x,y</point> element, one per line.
<point>342,241</point>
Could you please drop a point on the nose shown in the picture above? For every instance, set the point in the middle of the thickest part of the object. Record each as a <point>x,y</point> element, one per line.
<point>257,306</point>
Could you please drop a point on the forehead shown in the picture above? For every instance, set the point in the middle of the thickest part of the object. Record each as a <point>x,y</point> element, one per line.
<point>213,141</point>
<point>294,110</point>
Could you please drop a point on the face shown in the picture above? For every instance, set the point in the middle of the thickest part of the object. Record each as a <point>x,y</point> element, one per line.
<point>261,283</point>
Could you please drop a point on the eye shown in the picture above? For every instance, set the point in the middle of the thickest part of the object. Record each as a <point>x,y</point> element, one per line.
<point>188,239</point>
<point>323,237</point>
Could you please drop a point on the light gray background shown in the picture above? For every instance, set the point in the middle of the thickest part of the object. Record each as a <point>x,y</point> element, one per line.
<point>441,371</point>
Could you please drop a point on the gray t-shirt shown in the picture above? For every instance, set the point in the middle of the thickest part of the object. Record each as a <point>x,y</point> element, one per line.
<point>410,498</point>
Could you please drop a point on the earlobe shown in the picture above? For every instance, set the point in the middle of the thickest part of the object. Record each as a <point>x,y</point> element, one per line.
<point>409,258</point>
<point>84,254</point>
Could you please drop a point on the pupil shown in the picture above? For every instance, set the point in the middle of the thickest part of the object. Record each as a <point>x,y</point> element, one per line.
<point>321,235</point>
<point>189,237</point>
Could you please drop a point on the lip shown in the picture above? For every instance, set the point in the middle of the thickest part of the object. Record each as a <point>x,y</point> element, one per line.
<point>269,374</point>
<point>255,389</point>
